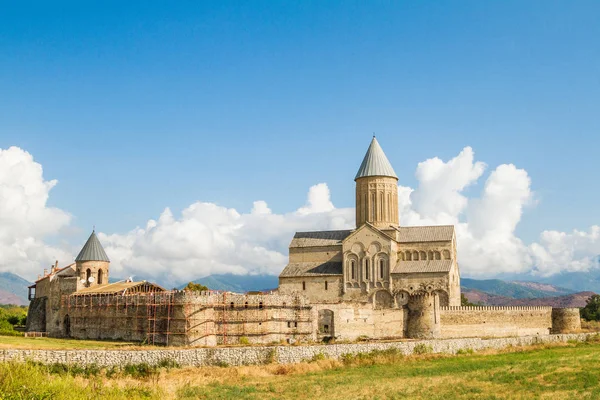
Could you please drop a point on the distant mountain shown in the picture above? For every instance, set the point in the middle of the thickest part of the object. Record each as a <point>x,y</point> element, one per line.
<point>570,300</point>
<point>13,289</point>
<point>239,283</point>
<point>514,289</point>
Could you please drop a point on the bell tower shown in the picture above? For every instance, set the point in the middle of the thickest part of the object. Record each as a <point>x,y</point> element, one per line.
<point>92,264</point>
<point>376,190</point>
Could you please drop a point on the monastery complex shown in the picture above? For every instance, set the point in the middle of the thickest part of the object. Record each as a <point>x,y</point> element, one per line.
<point>377,281</point>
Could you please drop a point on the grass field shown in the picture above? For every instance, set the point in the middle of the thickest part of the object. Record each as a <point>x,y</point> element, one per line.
<point>567,371</point>
<point>20,342</point>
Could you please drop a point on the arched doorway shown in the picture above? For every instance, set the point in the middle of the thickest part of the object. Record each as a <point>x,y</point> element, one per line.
<point>67,326</point>
<point>326,328</point>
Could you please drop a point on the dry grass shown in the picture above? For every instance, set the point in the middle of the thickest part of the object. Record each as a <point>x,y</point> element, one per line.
<point>551,371</point>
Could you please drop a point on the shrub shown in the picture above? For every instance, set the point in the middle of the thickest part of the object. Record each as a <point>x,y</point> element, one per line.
<point>465,351</point>
<point>422,348</point>
<point>244,340</point>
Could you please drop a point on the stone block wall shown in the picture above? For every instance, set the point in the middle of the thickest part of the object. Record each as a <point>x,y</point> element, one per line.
<point>494,321</point>
<point>188,318</point>
<point>265,354</point>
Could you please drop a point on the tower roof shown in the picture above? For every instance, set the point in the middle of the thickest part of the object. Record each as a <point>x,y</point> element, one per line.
<point>92,250</point>
<point>375,163</point>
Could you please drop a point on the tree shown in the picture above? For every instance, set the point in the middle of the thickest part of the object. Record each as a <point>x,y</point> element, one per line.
<point>591,311</point>
<point>195,287</point>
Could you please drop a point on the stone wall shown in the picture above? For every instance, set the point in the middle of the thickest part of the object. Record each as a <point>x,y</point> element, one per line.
<point>36,315</point>
<point>266,354</point>
<point>494,321</point>
<point>188,318</point>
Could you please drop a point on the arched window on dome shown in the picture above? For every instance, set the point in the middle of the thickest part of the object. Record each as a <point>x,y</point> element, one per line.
<point>100,277</point>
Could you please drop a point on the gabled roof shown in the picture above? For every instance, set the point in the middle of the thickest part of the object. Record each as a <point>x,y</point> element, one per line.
<point>92,250</point>
<point>410,267</point>
<point>411,234</point>
<point>312,269</point>
<point>319,238</point>
<point>122,287</point>
<point>375,163</point>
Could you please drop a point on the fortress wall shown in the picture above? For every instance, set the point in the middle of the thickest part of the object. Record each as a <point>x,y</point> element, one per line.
<point>494,321</point>
<point>265,354</point>
<point>352,320</point>
<point>189,319</point>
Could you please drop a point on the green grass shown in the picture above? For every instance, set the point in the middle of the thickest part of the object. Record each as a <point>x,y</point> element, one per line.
<point>569,371</point>
<point>20,342</point>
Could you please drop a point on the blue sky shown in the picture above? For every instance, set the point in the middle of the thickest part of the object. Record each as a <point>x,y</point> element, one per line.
<point>135,106</point>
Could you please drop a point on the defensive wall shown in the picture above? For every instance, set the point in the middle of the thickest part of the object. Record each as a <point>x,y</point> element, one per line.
<point>181,318</point>
<point>482,321</point>
<point>267,354</point>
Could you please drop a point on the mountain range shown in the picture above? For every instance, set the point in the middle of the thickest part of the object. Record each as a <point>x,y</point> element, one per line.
<point>13,289</point>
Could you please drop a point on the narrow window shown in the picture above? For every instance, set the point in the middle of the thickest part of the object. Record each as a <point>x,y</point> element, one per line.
<point>325,328</point>
<point>352,271</point>
<point>100,277</point>
<point>381,267</point>
<point>289,324</point>
<point>246,305</point>
<point>303,285</point>
<point>367,269</point>
<point>88,274</point>
<point>295,324</point>
<point>325,285</point>
<point>372,207</point>
<point>260,305</point>
<point>231,305</point>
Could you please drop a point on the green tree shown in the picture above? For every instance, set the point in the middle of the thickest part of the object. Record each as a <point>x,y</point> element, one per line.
<point>591,311</point>
<point>195,287</point>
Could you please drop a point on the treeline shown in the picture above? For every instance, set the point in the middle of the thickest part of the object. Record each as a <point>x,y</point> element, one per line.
<point>11,319</point>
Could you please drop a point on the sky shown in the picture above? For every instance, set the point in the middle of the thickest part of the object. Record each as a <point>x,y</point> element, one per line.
<point>117,112</point>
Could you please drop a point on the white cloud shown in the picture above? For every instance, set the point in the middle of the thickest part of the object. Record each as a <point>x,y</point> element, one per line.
<point>25,219</point>
<point>210,239</point>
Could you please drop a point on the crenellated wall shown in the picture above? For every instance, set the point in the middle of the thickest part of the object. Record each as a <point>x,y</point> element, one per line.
<point>482,321</point>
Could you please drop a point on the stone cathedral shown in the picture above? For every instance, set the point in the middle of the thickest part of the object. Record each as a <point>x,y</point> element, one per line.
<point>379,262</point>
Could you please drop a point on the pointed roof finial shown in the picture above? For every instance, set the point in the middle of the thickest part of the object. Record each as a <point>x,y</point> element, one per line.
<point>375,163</point>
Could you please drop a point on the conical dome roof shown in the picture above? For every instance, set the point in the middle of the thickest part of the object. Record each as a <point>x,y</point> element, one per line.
<point>375,163</point>
<point>92,250</point>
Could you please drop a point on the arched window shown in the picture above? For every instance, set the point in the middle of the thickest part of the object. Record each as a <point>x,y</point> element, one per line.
<point>415,255</point>
<point>422,255</point>
<point>373,208</point>
<point>438,256</point>
<point>88,274</point>
<point>381,268</point>
<point>367,268</point>
<point>352,269</point>
<point>100,277</point>
<point>430,255</point>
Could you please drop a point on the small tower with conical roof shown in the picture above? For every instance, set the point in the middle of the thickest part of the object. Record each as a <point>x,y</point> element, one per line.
<point>376,190</point>
<point>92,264</point>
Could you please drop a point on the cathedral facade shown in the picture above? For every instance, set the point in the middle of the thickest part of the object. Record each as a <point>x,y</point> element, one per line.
<point>379,262</point>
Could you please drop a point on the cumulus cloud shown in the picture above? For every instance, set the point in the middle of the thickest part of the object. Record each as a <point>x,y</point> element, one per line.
<point>485,225</point>
<point>211,239</point>
<point>25,219</point>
